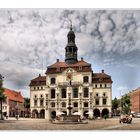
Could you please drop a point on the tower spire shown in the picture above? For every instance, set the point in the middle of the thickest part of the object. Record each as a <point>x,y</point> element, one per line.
<point>71,48</point>
<point>71,25</point>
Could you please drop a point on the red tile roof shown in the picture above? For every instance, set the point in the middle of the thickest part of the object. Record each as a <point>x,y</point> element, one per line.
<point>101,78</point>
<point>64,64</point>
<point>59,67</point>
<point>13,95</point>
<point>38,81</point>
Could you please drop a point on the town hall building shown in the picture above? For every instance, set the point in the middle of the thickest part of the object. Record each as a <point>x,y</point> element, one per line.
<point>71,83</point>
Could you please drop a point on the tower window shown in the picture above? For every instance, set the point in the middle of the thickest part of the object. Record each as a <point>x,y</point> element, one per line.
<point>52,93</point>
<point>86,92</point>
<point>63,93</point>
<point>85,79</point>
<point>75,93</point>
<point>52,80</point>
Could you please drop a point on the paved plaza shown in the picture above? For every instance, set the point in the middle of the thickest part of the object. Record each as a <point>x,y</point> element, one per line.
<point>42,124</point>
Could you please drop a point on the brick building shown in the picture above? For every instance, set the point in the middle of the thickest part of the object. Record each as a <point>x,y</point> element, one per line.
<point>135,100</point>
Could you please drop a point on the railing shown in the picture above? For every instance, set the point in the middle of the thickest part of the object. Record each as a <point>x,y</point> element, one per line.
<point>67,84</point>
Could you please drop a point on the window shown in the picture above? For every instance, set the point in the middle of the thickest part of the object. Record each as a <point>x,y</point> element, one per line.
<point>85,92</point>
<point>85,104</point>
<point>105,85</point>
<point>95,86</point>
<point>75,93</point>
<point>63,104</point>
<point>35,102</point>
<point>104,94</point>
<point>53,104</point>
<point>41,102</point>
<point>52,93</point>
<point>104,101</point>
<point>34,88</point>
<point>97,101</point>
<point>52,80</point>
<point>63,93</point>
<point>35,96</point>
<point>41,88</point>
<point>97,94</point>
<point>75,104</point>
<point>100,85</point>
<point>38,88</point>
<point>85,79</point>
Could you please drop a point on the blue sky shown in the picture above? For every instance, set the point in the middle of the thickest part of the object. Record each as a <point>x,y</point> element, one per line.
<point>32,39</point>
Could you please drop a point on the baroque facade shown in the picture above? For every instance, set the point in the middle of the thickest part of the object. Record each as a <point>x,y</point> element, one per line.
<point>71,83</point>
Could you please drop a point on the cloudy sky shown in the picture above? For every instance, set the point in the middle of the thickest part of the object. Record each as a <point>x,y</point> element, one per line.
<point>31,39</point>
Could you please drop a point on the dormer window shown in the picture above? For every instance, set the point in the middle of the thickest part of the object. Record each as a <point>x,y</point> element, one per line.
<point>85,79</point>
<point>52,80</point>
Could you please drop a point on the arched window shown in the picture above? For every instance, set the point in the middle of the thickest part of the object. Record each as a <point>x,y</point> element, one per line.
<point>75,104</point>
<point>52,93</point>
<point>85,79</point>
<point>75,93</point>
<point>63,104</point>
<point>63,93</point>
<point>85,104</point>
<point>52,80</point>
<point>53,104</point>
<point>86,92</point>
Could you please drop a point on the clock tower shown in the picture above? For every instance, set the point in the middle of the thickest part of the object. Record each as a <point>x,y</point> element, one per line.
<point>71,48</point>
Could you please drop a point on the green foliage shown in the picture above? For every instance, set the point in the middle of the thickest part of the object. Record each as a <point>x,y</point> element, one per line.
<point>27,103</point>
<point>115,103</point>
<point>125,104</point>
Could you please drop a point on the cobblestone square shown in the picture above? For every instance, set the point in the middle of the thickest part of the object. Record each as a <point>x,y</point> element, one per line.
<point>42,124</point>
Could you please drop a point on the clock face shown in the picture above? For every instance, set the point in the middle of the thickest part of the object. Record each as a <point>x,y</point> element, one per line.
<point>69,76</point>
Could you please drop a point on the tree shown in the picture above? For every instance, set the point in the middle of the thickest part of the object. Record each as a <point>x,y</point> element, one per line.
<point>115,105</point>
<point>125,104</point>
<point>27,105</point>
<point>2,96</point>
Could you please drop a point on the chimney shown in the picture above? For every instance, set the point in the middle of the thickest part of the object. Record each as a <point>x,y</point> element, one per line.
<point>82,58</point>
<point>102,71</point>
<point>57,60</point>
<point>39,75</point>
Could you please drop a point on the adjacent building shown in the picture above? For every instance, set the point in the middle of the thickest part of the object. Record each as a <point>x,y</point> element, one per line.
<point>71,83</point>
<point>135,100</point>
<point>14,103</point>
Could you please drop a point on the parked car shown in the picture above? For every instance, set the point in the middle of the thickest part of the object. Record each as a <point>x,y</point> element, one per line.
<point>136,115</point>
<point>125,119</point>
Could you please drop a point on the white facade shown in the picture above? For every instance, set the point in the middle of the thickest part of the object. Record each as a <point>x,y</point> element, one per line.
<point>81,103</point>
